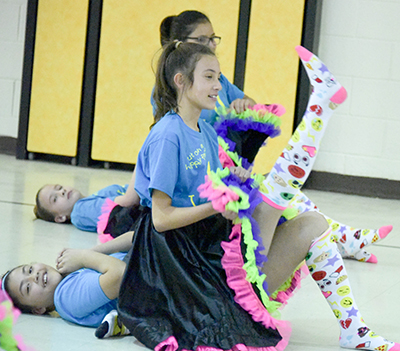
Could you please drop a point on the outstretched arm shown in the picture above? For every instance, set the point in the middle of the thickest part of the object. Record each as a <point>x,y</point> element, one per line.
<point>111,268</point>
<point>120,243</point>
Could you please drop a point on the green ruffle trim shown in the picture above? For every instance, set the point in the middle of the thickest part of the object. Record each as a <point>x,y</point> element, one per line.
<point>248,114</point>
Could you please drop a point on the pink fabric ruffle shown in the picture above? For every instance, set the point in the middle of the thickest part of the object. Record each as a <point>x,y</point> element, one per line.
<point>276,109</point>
<point>103,220</point>
<point>245,296</point>
<point>218,196</point>
<point>284,295</point>
<point>226,161</point>
<point>170,344</point>
<point>7,310</point>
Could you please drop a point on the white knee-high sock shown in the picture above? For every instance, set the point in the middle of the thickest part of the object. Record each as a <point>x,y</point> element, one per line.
<point>328,270</point>
<point>295,163</point>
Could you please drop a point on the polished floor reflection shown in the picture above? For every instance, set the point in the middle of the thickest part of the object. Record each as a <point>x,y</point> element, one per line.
<point>24,240</point>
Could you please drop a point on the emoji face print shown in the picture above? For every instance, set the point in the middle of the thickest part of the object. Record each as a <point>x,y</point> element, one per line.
<point>311,267</point>
<point>337,314</point>
<point>277,179</point>
<point>343,290</point>
<point>322,257</point>
<point>334,238</point>
<point>296,136</point>
<point>297,159</point>
<point>296,171</point>
<point>302,126</point>
<point>295,184</point>
<point>317,124</point>
<point>365,232</point>
<point>325,283</point>
<point>287,196</point>
<point>346,302</point>
<point>335,226</point>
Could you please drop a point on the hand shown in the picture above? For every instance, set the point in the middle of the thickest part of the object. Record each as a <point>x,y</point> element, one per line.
<point>70,260</point>
<point>240,172</point>
<point>240,105</point>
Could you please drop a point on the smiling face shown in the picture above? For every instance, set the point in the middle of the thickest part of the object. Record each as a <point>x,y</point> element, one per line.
<point>34,286</point>
<point>59,200</point>
<point>203,93</point>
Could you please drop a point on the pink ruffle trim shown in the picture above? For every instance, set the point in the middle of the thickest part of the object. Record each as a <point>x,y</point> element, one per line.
<point>218,196</point>
<point>245,296</point>
<point>170,344</point>
<point>284,295</point>
<point>276,109</point>
<point>226,161</point>
<point>103,220</point>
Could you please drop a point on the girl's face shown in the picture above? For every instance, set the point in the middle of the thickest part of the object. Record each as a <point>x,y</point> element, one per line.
<point>59,200</point>
<point>204,91</point>
<point>34,285</point>
<point>203,32</point>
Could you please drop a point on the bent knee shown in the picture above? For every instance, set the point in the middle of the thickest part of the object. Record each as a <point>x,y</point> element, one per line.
<point>315,221</point>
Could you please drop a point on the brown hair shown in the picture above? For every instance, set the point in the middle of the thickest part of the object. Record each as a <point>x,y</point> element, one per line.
<point>176,57</point>
<point>179,27</point>
<point>42,213</point>
<point>23,308</point>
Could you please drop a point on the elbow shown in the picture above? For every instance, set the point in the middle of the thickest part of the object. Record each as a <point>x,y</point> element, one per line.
<point>161,224</point>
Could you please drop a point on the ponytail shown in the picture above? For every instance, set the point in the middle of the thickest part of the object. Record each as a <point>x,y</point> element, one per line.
<point>179,27</point>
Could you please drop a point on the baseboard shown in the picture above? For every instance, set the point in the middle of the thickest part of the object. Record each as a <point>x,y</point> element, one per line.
<point>354,185</point>
<point>8,145</point>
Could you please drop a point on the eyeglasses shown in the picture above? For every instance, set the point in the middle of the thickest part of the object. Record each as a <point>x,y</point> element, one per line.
<point>202,39</point>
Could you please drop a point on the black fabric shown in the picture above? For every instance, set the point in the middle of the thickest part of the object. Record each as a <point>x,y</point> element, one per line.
<point>174,285</point>
<point>121,219</point>
<point>247,142</point>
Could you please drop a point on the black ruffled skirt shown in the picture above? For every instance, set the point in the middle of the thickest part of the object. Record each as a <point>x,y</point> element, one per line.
<point>174,294</point>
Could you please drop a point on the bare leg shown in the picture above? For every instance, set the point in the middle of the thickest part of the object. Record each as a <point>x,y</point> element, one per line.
<point>267,218</point>
<point>290,245</point>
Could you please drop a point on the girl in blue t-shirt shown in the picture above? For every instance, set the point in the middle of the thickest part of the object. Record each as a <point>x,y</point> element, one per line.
<point>82,288</point>
<point>192,279</point>
<point>65,204</point>
<point>195,26</point>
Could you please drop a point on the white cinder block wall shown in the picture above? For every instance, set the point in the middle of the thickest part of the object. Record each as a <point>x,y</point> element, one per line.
<point>360,43</point>
<point>12,36</point>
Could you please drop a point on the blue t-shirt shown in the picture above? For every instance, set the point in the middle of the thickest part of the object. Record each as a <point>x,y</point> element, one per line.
<point>79,298</point>
<point>228,93</point>
<point>86,211</point>
<point>174,159</point>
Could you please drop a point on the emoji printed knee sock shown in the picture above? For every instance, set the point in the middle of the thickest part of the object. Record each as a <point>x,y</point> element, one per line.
<point>327,269</point>
<point>351,241</point>
<point>295,163</point>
